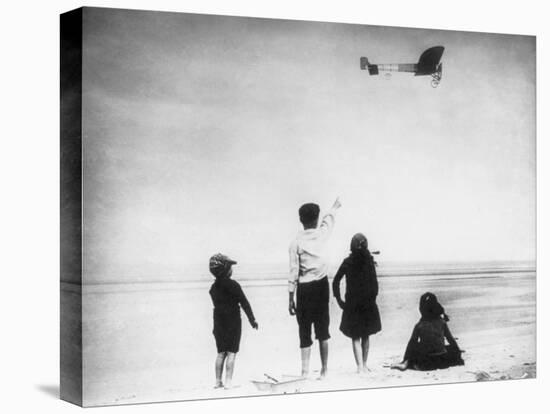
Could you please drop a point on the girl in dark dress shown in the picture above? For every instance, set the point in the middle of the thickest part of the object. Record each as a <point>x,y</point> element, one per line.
<point>227,298</point>
<point>426,349</point>
<point>360,317</point>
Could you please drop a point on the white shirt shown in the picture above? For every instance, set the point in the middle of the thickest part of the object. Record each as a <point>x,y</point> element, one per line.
<point>307,253</point>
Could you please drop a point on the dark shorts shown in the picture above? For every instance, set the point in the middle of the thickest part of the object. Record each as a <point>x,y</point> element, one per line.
<point>312,308</point>
<point>227,332</point>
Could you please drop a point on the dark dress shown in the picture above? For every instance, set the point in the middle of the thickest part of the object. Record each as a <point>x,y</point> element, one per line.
<point>226,296</point>
<point>426,349</point>
<point>360,317</point>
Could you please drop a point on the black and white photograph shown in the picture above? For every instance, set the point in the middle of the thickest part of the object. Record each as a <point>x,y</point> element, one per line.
<point>276,206</point>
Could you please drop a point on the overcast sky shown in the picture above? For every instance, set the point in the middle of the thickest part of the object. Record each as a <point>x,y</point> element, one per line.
<point>206,133</point>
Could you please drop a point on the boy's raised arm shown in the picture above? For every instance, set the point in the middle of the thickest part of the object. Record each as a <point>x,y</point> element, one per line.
<point>327,224</point>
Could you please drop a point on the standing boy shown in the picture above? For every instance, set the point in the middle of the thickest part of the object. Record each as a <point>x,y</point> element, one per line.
<point>227,298</point>
<point>308,280</point>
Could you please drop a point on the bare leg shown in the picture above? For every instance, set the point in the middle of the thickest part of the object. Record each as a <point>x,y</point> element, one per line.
<point>356,345</point>
<point>365,343</point>
<point>229,366</point>
<point>401,366</point>
<point>323,349</point>
<point>220,359</point>
<point>305,353</point>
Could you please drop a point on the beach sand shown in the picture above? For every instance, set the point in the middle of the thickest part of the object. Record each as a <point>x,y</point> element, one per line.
<point>153,342</point>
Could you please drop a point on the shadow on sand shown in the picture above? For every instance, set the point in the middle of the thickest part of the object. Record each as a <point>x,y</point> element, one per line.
<point>49,389</point>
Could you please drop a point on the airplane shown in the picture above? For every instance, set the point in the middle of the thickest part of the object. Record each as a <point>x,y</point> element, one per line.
<point>428,64</point>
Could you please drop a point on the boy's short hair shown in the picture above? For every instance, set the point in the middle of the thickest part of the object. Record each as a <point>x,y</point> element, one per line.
<point>309,213</point>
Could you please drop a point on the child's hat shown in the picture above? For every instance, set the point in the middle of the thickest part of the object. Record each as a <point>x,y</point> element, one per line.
<point>219,264</point>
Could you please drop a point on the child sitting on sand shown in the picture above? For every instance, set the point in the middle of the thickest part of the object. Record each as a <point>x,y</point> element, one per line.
<point>226,296</point>
<point>360,318</point>
<point>426,349</point>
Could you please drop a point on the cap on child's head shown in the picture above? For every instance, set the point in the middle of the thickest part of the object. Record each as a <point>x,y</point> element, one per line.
<point>220,264</point>
<point>309,213</point>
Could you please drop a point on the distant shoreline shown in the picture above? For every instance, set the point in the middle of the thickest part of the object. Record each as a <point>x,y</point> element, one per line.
<point>280,279</point>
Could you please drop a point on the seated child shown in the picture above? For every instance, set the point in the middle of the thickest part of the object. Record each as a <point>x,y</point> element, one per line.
<point>426,349</point>
<point>226,296</point>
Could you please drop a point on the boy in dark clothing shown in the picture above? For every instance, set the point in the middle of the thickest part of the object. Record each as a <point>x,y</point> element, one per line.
<point>226,296</point>
<point>426,349</point>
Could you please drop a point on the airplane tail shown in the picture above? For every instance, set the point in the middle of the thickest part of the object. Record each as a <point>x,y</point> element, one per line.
<point>364,64</point>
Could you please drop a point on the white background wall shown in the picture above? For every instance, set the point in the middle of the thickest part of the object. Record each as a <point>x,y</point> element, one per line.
<point>29,209</point>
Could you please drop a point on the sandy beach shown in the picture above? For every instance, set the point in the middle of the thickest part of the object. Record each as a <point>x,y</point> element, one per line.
<point>153,341</point>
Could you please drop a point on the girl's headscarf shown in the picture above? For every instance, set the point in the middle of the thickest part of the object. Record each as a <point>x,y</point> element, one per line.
<point>359,244</point>
<point>359,247</point>
<point>430,308</point>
